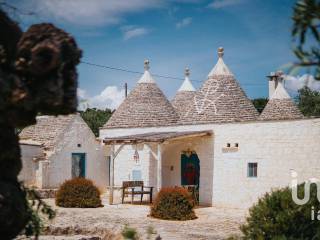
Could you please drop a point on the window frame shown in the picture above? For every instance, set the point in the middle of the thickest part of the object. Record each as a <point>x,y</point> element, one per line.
<point>252,170</point>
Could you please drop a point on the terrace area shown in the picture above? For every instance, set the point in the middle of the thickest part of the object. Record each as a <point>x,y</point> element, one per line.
<point>74,223</point>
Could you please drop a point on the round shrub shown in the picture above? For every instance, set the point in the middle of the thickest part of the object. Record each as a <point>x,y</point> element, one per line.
<point>173,204</point>
<point>78,192</point>
<point>276,216</point>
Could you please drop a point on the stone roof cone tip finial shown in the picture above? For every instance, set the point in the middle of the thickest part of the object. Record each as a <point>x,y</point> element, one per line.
<point>146,77</point>
<point>186,85</point>
<point>220,68</point>
<point>187,72</point>
<point>146,65</point>
<point>220,52</point>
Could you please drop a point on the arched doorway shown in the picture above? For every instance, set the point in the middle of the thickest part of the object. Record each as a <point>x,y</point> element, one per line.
<point>190,170</point>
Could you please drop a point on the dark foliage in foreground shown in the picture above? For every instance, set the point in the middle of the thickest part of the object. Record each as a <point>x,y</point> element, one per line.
<point>37,75</point>
<point>276,216</point>
<point>306,34</point>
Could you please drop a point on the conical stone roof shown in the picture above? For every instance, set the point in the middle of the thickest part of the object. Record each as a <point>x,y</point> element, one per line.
<point>220,99</point>
<point>184,96</point>
<point>280,106</point>
<point>145,106</point>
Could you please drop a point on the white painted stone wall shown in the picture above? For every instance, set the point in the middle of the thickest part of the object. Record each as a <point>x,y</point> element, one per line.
<point>277,146</point>
<point>59,170</point>
<point>29,167</point>
<point>125,164</point>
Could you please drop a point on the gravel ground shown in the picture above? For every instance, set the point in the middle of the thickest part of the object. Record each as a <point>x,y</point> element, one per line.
<point>72,223</point>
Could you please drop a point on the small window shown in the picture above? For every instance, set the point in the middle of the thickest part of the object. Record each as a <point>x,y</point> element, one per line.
<point>228,145</point>
<point>252,169</point>
<point>236,144</point>
<point>79,145</point>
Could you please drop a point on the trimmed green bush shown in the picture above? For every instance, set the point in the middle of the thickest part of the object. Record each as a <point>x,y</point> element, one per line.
<point>129,233</point>
<point>173,204</point>
<point>78,193</point>
<point>276,216</point>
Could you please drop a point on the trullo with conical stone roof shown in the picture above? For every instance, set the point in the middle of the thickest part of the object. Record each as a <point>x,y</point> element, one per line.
<point>280,106</point>
<point>220,99</point>
<point>145,106</point>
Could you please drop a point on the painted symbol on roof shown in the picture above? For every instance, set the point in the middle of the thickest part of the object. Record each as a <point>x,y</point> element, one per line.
<point>206,99</point>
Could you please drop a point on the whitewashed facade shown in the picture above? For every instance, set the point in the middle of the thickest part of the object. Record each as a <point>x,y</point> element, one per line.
<point>277,146</point>
<point>47,150</point>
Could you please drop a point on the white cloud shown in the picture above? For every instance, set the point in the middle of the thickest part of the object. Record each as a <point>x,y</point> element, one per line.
<point>184,22</point>
<point>88,12</point>
<point>81,93</point>
<point>216,4</point>
<point>111,97</point>
<point>132,32</point>
<point>293,84</point>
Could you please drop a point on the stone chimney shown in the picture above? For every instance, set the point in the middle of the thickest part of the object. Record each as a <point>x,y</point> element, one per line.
<point>274,79</point>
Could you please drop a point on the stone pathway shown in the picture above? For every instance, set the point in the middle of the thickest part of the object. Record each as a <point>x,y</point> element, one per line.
<point>212,223</point>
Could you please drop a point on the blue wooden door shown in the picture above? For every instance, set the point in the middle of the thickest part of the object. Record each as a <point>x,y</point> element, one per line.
<point>190,169</point>
<point>78,165</point>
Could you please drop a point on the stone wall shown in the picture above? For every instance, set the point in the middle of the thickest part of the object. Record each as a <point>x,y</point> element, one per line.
<point>29,166</point>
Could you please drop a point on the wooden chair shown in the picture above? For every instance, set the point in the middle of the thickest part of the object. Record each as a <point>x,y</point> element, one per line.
<point>135,188</point>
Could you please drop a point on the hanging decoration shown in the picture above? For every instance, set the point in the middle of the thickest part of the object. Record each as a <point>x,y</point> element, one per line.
<point>188,152</point>
<point>136,156</point>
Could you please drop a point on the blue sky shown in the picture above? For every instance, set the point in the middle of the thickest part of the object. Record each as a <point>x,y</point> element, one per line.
<point>172,34</point>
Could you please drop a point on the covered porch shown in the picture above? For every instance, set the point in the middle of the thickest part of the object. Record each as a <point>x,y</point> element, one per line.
<point>163,159</point>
